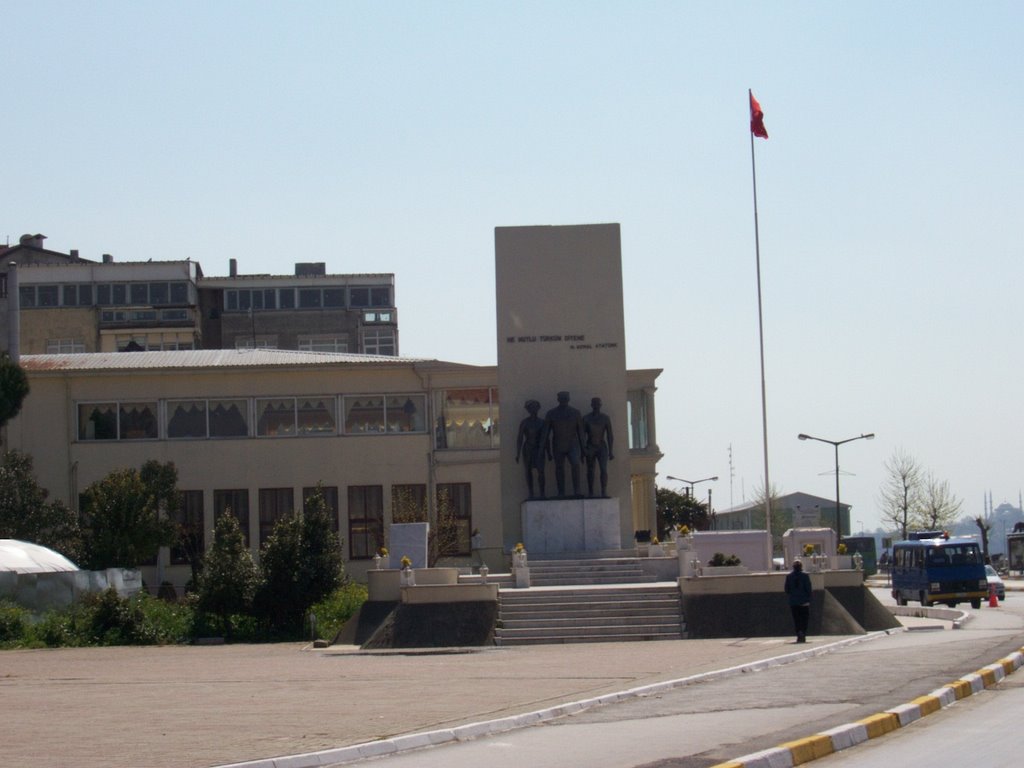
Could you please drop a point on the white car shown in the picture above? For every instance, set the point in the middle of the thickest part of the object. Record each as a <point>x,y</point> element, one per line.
<point>996,581</point>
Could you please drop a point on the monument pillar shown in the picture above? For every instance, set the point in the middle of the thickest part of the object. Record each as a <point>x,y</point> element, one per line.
<point>561,328</point>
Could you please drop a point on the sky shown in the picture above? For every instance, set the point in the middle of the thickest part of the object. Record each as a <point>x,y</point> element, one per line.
<point>395,136</point>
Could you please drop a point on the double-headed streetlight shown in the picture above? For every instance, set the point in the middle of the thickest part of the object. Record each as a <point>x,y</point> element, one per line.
<point>836,444</point>
<point>691,483</point>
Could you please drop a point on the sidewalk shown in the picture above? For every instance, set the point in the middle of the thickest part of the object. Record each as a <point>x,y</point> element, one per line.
<point>203,706</point>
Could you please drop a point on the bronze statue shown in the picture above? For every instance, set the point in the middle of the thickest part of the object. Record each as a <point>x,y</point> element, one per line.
<point>597,430</point>
<point>531,447</point>
<point>563,437</point>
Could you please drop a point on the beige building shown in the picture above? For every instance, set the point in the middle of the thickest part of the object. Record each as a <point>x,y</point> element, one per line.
<point>253,431</point>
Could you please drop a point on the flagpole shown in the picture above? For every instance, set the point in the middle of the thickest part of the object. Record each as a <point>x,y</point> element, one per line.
<point>760,330</point>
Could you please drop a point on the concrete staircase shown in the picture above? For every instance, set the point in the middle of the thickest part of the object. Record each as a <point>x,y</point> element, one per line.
<point>589,614</point>
<point>586,598</point>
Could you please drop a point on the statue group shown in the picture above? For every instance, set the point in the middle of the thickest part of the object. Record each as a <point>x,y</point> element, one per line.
<point>564,436</point>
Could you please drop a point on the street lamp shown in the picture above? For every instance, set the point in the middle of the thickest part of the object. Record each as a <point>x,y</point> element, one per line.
<point>836,444</point>
<point>691,483</point>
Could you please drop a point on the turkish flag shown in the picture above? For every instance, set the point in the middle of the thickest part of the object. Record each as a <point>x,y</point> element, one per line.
<point>757,118</point>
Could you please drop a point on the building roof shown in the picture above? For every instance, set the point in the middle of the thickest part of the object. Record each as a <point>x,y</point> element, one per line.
<point>212,358</point>
<point>787,501</point>
<point>25,557</point>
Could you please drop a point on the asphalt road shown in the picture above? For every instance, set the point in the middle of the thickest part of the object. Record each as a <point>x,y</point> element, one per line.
<point>699,725</point>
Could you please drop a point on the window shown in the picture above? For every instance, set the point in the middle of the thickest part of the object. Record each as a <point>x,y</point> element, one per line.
<point>334,297</point>
<point>27,296</point>
<point>309,298</point>
<point>179,293</point>
<point>188,518</point>
<point>379,341</point>
<point>330,494</point>
<point>286,298</point>
<point>377,317</point>
<point>186,418</point>
<point>323,343</point>
<point>374,414</point>
<point>275,504</point>
<point>316,416</point>
<point>85,295</point>
<point>236,502</point>
<point>64,346</point>
<point>103,294</point>
<point>70,295</point>
<point>275,417</point>
<point>48,296</point>
<point>260,342</point>
<point>228,418</point>
<point>409,503</point>
<point>139,293</point>
<point>375,296</point>
<point>97,421</point>
<point>365,520</point>
<point>159,293</point>
<point>636,411</point>
<point>468,418</point>
<point>137,421</point>
<point>117,421</point>
<point>119,294</point>
<point>454,518</point>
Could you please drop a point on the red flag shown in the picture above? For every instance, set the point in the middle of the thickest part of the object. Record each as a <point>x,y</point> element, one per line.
<point>757,118</point>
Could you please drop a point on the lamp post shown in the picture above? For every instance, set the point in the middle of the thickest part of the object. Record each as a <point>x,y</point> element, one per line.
<point>691,483</point>
<point>835,444</point>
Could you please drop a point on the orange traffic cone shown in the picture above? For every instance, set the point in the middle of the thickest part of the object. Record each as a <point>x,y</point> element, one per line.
<point>993,601</point>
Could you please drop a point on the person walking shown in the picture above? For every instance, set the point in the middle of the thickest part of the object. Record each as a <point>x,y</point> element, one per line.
<point>798,588</point>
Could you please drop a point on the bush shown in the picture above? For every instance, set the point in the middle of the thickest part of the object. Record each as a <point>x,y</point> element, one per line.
<point>338,607</point>
<point>12,623</point>
<point>718,560</point>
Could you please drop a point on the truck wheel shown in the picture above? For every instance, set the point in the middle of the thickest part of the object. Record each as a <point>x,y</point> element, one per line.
<point>925,602</point>
<point>976,602</point>
<point>901,600</point>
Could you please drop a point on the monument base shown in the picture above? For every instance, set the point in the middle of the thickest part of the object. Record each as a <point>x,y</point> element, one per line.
<point>571,525</point>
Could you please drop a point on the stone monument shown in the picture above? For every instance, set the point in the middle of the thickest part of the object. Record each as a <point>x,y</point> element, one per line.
<point>561,329</point>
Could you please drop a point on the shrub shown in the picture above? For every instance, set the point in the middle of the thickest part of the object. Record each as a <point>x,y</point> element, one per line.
<point>12,623</point>
<point>718,560</point>
<point>338,607</point>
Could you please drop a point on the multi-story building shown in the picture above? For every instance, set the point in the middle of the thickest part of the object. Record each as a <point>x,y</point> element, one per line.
<point>68,304</point>
<point>29,251</point>
<point>109,307</point>
<point>309,311</point>
<point>253,432</point>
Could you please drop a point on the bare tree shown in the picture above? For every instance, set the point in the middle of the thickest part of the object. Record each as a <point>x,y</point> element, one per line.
<point>900,495</point>
<point>939,506</point>
<point>984,526</point>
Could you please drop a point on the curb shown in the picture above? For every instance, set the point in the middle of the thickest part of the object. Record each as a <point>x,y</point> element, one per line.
<point>357,752</point>
<point>822,744</point>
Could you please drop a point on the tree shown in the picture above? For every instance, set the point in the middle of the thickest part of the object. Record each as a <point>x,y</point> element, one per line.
<point>229,577</point>
<point>122,520</point>
<point>779,524</point>
<point>26,515</point>
<point>13,388</point>
<point>939,507</point>
<point>679,509</point>
<point>984,527</point>
<point>301,564</point>
<point>900,495</point>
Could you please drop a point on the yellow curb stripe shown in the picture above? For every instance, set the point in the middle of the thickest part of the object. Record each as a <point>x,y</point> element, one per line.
<point>880,724</point>
<point>810,748</point>
<point>988,676</point>
<point>1007,665</point>
<point>960,688</point>
<point>928,704</point>
<point>730,764</point>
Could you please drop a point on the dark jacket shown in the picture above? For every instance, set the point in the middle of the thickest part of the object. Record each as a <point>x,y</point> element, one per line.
<point>798,587</point>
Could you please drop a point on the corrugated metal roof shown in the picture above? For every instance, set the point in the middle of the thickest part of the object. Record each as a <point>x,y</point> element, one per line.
<point>205,358</point>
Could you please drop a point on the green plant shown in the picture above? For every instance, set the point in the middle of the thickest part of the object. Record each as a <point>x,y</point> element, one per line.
<point>338,607</point>
<point>841,549</point>
<point>719,560</point>
<point>13,622</point>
